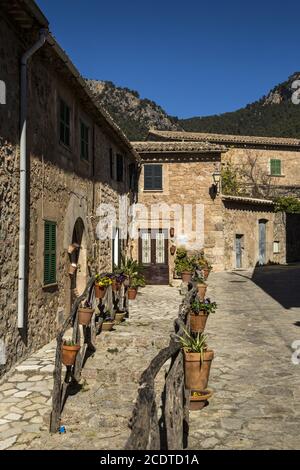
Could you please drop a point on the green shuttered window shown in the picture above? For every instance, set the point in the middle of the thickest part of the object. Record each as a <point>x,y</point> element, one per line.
<point>50,253</point>
<point>275,167</point>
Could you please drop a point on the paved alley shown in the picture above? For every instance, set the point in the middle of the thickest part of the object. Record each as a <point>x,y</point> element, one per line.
<point>256,402</point>
<point>257,387</point>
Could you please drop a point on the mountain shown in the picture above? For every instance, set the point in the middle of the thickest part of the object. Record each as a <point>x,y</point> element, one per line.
<point>272,115</point>
<point>133,114</point>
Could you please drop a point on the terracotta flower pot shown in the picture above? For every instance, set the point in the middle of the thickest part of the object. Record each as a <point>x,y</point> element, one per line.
<point>119,317</point>
<point>107,325</point>
<point>99,291</point>
<point>69,354</point>
<point>206,272</point>
<point>196,373</point>
<point>186,276</point>
<point>201,288</point>
<point>132,292</point>
<point>115,286</point>
<point>198,322</point>
<point>199,400</point>
<point>85,315</point>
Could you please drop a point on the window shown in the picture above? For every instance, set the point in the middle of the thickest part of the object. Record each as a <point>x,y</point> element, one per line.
<point>120,167</point>
<point>64,123</point>
<point>153,177</point>
<point>132,176</point>
<point>276,247</point>
<point>111,163</point>
<point>50,253</point>
<point>84,141</point>
<point>275,167</point>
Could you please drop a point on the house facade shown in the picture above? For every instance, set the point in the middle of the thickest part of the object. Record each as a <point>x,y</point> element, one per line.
<point>240,227</point>
<point>76,159</point>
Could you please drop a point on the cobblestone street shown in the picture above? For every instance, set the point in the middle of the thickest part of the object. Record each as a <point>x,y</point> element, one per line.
<point>256,402</point>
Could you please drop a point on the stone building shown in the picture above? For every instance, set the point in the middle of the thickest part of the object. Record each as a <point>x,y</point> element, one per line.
<point>76,158</point>
<point>239,230</point>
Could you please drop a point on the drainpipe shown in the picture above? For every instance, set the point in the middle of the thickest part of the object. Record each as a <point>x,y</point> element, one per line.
<point>23,174</point>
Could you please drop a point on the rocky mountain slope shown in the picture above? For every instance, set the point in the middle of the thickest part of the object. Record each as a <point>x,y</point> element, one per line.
<point>272,115</point>
<point>133,114</point>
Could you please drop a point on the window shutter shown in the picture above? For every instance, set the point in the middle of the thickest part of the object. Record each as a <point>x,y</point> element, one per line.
<point>153,177</point>
<point>275,167</point>
<point>50,253</point>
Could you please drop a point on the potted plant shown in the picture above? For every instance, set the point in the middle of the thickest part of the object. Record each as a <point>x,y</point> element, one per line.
<point>101,284</point>
<point>201,264</point>
<point>108,322</point>
<point>135,282</point>
<point>197,360</point>
<point>206,270</point>
<point>119,317</point>
<point>69,352</point>
<point>201,285</point>
<point>183,265</point>
<point>117,281</point>
<point>85,314</point>
<point>199,313</point>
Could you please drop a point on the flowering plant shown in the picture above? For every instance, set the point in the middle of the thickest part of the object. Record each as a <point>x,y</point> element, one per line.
<point>120,277</point>
<point>103,280</point>
<point>107,316</point>
<point>206,306</point>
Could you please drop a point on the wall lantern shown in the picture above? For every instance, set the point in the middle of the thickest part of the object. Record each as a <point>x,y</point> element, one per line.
<point>72,268</point>
<point>172,232</point>
<point>217,181</point>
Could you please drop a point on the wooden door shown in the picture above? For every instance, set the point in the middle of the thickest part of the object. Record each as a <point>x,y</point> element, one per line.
<point>262,242</point>
<point>238,251</point>
<point>153,255</point>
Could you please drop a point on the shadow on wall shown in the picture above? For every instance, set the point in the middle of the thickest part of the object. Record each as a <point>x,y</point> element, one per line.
<point>292,238</point>
<point>282,283</point>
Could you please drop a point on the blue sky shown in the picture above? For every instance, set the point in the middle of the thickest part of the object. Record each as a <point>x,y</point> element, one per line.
<point>193,57</point>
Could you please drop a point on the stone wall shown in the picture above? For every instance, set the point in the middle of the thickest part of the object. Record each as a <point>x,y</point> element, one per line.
<point>243,219</point>
<point>258,161</point>
<point>62,188</point>
<point>187,181</point>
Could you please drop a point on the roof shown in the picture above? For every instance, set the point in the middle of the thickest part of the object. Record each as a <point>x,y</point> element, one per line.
<point>223,138</point>
<point>247,200</point>
<point>179,147</point>
<point>26,13</point>
<point>106,117</point>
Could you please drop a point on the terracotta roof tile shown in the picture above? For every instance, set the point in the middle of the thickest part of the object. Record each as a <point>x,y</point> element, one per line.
<point>223,138</point>
<point>180,147</point>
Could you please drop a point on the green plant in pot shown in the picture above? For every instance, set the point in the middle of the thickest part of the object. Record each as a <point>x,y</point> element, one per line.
<point>69,352</point>
<point>85,314</point>
<point>197,360</point>
<point>199,314</point>
<point>184,265</point>
<point>200,284</point>
<point>108,321</point>
<point>136,281</point>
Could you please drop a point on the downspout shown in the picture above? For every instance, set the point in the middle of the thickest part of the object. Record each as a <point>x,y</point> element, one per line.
<point>23,174</point>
